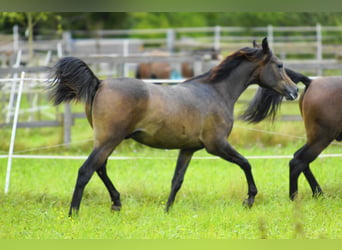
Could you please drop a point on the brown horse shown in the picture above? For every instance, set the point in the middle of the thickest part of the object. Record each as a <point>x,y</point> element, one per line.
<point>320,108</point>
<point>163,70</point>
<point>190,116</point>
<point>323,124</point>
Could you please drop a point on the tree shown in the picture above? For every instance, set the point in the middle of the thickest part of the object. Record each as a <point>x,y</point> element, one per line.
<point>28,20</point>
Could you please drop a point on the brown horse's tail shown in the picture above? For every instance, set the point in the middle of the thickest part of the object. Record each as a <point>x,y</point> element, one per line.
<point>72,79</point>
<point>298,77</point>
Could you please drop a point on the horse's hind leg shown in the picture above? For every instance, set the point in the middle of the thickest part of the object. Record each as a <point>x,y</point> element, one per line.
<point>300,163</point>
<point>95,161</point>
<point>183,161</point>
<point>224,150</point>
<point>315,187</point>
<point>114,194</point>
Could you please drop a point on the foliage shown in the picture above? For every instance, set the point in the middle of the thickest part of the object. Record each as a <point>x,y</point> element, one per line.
<point>28,20</point>
<point>88,21</point>
<point>167,20</point>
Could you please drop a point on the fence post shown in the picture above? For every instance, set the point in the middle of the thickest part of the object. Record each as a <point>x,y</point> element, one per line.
<point>125,53</point>
<point>59,50</point>
<point>12,94</point>
<point>217,37</point>
<point>67,123</point>
<point>170,39</point>
<point>14,130</point>
<point>15,37</point>
<point>319,52</point>
<point>270,36</point>
<point>67,39</point>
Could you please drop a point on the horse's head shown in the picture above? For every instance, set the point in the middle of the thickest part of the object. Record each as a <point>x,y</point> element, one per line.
<point>274,83</point>
<point>271,73</point>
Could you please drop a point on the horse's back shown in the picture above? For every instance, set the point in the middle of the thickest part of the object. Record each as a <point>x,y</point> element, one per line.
<point>118,93</point>
<point>321,106</point>
<point>323,93</point>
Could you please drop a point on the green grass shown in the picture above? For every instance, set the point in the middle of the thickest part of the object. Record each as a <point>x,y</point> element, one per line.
<point>209,205</point>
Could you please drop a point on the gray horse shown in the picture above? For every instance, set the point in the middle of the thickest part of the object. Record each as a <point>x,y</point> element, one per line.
<point>190,116</point>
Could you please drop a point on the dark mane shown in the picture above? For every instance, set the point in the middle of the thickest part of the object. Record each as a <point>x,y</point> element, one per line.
<point>198,77</point>
<point>264,104</point>
<point>224,69</point>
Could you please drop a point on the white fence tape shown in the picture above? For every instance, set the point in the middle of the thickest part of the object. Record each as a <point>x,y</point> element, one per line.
<point>59,157</point>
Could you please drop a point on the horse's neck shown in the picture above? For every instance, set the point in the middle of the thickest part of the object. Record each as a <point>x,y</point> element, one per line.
<point>234,85</point>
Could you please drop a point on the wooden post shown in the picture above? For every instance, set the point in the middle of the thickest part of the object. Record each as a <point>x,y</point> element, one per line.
<point>270,36</point>
<point>125,53</point>
<point>319,52</point>
<point>67,40</point>
<point>13,87</point>
<point>217,38</point>
<point>15,37</point>
<point>170,39</point>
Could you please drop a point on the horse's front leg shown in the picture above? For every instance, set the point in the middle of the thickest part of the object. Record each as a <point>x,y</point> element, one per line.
<point>224,150</point>
<point>183,161</point>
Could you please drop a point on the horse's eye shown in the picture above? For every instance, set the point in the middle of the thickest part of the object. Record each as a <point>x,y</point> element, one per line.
<point>280,65</point>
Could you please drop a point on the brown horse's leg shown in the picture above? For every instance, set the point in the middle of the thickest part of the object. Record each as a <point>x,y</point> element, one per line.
<point>183,161</point>
<point>94,162</point>
<point>224,150</point>
<point>114,194</point>
<point>300,163</point>
<point>315,187</point>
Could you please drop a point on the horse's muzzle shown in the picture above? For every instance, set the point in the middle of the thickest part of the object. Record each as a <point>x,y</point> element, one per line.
<point>292,95</point>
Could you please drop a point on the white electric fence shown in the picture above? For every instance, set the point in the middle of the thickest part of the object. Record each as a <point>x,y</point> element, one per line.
<point>14,129</point>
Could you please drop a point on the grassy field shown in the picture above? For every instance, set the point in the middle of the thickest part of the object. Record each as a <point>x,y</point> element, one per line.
<point>209,205</point>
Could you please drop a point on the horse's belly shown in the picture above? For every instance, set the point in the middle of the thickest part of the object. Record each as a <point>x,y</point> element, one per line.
<point>167,139</point>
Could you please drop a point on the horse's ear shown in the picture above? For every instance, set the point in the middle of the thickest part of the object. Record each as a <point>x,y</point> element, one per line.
<point>254,44</point>
<point>265,46</point>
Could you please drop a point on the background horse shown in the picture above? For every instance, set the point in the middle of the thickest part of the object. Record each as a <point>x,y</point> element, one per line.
<point>320,106</point>
<point>164,70</point>
<point>190,116</point>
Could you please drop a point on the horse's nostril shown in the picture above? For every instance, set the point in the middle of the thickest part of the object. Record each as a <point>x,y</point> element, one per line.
<point>293,95</point>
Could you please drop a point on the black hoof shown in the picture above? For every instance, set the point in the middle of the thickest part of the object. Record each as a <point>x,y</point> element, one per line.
<point>293,196</point>
<point>167,209</point>
<point>116,208</point>
<point>248,203</point>
<point>318,194</point>
<point>73,212</point>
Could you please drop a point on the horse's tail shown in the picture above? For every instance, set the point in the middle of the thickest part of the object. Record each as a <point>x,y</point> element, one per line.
<point>298,77</point>
<point>73,80</point>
